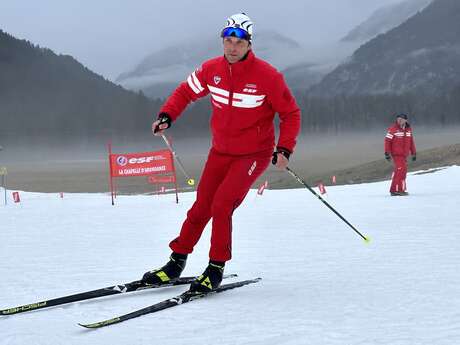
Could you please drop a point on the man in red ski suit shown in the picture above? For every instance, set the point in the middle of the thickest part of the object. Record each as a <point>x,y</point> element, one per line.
<point>399,142</point>
<point>246,92</point>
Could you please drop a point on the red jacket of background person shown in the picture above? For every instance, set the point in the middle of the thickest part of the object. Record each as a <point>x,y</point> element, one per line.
<point>399,141</point>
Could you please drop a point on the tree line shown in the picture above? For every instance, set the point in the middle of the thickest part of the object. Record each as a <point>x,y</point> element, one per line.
<point>44,94</point>
<point>350,113</point>
<point>340,113</point>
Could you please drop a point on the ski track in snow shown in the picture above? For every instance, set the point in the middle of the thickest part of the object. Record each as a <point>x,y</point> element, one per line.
<point>321,283</point>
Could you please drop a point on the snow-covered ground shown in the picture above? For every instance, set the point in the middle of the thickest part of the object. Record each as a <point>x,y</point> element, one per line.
<point>321,283</point>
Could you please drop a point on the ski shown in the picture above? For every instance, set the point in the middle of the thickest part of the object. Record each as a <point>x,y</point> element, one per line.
<point>107,291</point>
<point>169,303</point>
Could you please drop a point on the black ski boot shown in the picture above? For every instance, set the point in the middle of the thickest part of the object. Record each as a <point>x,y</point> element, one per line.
<point>399,193</point>
<point>210,279</point>
<point>172,270</point>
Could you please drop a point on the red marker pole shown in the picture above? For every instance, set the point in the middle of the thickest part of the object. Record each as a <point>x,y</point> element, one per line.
<point>16,197</point>
<point>109,146</point>
<point>321,187</point>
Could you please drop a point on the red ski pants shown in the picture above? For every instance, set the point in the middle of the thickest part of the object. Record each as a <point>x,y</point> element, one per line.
<point>398,183</point>
<point>223,185</point>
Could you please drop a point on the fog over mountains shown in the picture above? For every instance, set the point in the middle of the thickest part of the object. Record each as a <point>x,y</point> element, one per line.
<point>384,19</point>
<point>414,67</point>
<point>160,72</point>
<point>420,55</point>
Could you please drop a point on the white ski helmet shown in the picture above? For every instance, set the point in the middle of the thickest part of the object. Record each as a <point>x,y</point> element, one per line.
<point>238,25</point>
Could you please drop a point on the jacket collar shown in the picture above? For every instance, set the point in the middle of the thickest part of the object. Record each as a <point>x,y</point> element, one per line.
<point>241,66</point>
<point>403,128</point>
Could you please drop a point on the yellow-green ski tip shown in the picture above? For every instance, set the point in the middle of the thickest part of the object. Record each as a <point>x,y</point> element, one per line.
<point>191,182</point>
<point>367,239</point>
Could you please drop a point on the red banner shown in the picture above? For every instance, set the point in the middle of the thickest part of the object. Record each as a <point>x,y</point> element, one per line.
<point>162,179</point>
<point>141,164</point>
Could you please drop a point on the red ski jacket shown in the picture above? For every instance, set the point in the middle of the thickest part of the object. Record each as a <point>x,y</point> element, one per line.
<point>245,97</point>
<point>399,141</point>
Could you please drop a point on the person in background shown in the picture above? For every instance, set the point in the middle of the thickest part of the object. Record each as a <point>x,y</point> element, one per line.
<point>246,93</point>
<point>399,143</point>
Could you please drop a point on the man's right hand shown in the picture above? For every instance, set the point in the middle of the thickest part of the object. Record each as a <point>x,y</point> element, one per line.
<point>163,122</point>
<point>387,156</point>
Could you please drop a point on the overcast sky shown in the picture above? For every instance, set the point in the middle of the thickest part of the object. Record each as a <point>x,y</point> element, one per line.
<point>111,36</point>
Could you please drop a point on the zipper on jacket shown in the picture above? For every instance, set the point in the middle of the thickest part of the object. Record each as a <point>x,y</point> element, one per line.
<point>230,96</point>
<point>404,140</point>
<point>230,103</point>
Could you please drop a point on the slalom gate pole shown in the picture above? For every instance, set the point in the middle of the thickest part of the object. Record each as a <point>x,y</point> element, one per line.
<point>190,181</point>
<point>300,180</point>
<point>111,185</point>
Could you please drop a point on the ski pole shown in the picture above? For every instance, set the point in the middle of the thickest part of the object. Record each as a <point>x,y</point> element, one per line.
<point>299,179</point>
<point>190,181</point>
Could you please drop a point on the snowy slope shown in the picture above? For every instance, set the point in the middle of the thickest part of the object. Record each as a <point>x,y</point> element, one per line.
<point>321,283</point>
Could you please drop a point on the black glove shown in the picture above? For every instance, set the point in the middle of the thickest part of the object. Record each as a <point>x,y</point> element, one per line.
<point>285,152</point>
<point>387,156</point>
<point>164,119</point>
<point>414,157</point>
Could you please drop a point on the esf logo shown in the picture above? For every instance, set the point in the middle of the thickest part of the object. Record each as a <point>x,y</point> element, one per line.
<point>122,160</point>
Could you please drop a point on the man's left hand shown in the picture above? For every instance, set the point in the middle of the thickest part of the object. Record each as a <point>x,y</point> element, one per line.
<point>414,158</point>
<point>280,159</point>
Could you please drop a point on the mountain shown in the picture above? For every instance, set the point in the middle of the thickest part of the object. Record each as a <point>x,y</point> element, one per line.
<point>384,19</point>
<point>422,55</point>
<point>302,76</point>
<point>48,95</point>
<point>159,73</point>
